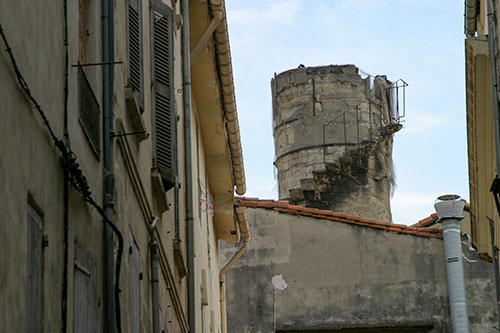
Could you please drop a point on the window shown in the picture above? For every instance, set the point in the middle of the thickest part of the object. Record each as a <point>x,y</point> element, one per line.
<point>134,264</point>
<point>134,49</point>
<point>89,38</point>
<point>85,313</point>
<point>164,116</point>
<point>89,112</point>
<point>34,269</point>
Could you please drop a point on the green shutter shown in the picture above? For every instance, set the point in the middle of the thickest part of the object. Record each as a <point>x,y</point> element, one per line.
<point>164,118</point>
<point>134,47</point>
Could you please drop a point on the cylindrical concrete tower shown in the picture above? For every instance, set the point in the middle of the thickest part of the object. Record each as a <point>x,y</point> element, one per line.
<point>333,139</point>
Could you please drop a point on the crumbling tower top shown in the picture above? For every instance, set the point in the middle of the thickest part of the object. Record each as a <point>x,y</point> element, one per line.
<point>333,139</point>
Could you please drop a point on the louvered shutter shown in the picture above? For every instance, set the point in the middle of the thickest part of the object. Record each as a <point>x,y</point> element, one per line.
<point>134,46</point>
<point>85,301</point>
<point>164,126</point>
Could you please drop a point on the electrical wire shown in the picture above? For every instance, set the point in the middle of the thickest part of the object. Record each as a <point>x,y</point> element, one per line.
<point>75,174</point>
<point>64,301</point>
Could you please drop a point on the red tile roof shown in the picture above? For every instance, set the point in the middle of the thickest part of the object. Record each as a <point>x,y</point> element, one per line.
<point>284,207</point>
<point>428,221</point>
<point>433,218</point>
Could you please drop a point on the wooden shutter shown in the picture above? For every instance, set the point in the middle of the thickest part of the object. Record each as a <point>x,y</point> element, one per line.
<point>89,112</point>
<point>34,294</point>
<point>134,264</point>
<point>134,45</point>
<point>164,118</point>
<point>85,315</point>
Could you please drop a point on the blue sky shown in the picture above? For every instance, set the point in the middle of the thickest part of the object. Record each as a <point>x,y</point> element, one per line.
<point>421,42</point>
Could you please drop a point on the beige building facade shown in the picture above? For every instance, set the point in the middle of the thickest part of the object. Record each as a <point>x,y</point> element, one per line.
<point>480,124</point>
<point>154,131</point>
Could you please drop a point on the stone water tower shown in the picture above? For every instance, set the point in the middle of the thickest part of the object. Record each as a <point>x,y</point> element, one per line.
<point>333,133</point>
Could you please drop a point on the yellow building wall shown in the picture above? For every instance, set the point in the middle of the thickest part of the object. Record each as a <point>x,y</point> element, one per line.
<point>480,135</point>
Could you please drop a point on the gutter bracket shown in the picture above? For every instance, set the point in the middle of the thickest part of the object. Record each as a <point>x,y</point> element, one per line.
<point>214,23</point>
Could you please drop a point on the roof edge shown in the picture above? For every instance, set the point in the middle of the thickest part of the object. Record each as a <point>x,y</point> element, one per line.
<point>227,84</point>
<point>283,206</point>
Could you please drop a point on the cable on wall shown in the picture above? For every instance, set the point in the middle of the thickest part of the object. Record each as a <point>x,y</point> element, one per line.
<point>75,174</point>
<point>64,301</point>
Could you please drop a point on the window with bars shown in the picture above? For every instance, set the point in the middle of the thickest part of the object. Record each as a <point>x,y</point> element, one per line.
<point>164,116</point>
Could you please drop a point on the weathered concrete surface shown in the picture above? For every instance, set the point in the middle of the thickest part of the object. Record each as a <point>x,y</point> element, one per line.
<point>30,167</point>
<point>342,275</point>
<point>333,140</point>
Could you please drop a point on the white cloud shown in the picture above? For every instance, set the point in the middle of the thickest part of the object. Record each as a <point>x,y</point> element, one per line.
<point>282,13</point>
<point>382,37</point>
<point>410,207</point>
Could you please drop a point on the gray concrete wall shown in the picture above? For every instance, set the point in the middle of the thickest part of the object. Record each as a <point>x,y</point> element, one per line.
<point>342,275</point>
<point>333,140</point>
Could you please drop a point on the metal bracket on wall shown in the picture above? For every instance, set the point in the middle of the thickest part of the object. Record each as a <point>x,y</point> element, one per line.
<point>98,64</point>
<point>131,133</point>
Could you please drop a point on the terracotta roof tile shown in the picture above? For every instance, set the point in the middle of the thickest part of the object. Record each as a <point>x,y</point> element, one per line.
<point>284,207</point>
<point>430,220</point>
<point>265,204</point>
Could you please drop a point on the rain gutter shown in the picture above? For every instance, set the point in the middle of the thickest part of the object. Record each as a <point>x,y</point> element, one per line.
<point>229,101</point>
<point>470,17</point>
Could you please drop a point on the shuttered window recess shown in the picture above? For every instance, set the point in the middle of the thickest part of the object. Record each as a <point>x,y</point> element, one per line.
<point>34,270</point>
<point>89,112</point>
<point>164,117</point>
<point>134,48</point>
<point>85,302</point>
<point>134,264</point>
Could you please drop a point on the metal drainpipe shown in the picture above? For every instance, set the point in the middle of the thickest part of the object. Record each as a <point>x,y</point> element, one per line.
<point>246,238</point>
<point>493,79</point>
<point>107,84</point>
<point>449,209</point>
<point>153,247</point>
<point>222,281</point>
<point>186,78</point>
